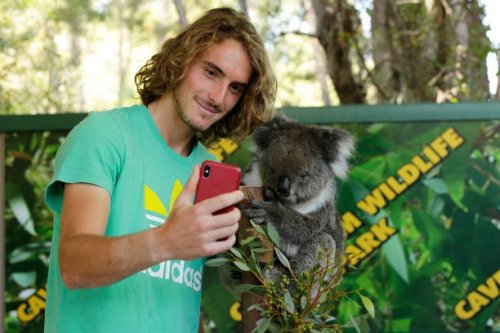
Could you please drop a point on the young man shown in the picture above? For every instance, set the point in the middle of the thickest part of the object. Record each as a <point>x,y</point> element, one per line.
<point>129,243</point>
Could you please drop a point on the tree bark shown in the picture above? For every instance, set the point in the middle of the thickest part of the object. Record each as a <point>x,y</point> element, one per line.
<point>243,6</point>
<point>181,11</point>
<point>475,71</point>
<point>337,24</point>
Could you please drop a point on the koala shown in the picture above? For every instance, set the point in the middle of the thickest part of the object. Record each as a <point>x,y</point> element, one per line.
<point>296,165</point>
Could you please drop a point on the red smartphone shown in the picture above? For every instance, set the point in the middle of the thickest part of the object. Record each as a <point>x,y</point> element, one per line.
<point>217,178</point>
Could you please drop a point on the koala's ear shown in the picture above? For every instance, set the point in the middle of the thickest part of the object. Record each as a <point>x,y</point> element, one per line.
<point>267,132</point>
<point>337,146</point>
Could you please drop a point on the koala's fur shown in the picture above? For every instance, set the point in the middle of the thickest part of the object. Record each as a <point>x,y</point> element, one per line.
<point>297,164</point>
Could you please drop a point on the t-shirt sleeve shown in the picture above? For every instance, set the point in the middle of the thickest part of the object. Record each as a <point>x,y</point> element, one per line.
<point>92,153</point>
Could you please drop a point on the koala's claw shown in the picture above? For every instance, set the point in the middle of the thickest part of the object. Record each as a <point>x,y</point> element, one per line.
<point>258,220</point>
<point>255,214</point>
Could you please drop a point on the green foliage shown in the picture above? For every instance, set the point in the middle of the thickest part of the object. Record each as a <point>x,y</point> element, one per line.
<point>445,247</point>
<point>304,303</point>
<point>28,220</point>
<point>447,227</point>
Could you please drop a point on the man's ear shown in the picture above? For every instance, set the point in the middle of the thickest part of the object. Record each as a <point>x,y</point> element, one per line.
<point>337,146</point>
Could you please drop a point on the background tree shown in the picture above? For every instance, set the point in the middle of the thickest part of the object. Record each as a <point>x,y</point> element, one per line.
<point>81,55</point>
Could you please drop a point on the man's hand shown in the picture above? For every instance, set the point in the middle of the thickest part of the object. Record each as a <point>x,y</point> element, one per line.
<point>192,230</point>
<point>89,259</point>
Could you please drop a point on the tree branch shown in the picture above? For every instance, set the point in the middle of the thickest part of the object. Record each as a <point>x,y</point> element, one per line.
<point>299,33</point>
<point>368,72</point>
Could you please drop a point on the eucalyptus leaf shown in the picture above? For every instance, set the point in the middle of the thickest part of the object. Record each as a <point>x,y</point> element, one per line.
<point>255,307</point>
<point>260,250</point>
<point>273,235</point>
<point>237,252</point>
<point>262,325</point>
<point>289,305</point>
<point>303,302</point>
<point>247,240</point>
<point>258,228</point>
<point>282,258</point>
<point>216,262</point>
<point>274,328</point>
<point>243,288</point>
<point>242,266</point>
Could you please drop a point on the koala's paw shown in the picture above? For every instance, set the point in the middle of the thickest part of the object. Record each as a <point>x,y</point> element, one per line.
<point>255,212</point>
<point>261,211</point>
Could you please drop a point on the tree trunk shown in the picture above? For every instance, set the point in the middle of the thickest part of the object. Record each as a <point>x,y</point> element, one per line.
<point>76,28</point>
<point>243,6</point>
<point>337,24</point>
<point>181,11</point>
<point>386,72</point>
<point>320,63</point>
<point>475,70</point>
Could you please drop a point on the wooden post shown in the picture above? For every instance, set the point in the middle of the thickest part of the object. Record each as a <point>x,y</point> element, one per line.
<point>249,318</point>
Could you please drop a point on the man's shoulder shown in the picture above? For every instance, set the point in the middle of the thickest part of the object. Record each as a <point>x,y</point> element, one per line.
<point>119,114</point>
<point>119,118</point>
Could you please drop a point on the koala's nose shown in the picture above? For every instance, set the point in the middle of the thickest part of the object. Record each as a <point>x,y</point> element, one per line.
<point>284,186</point>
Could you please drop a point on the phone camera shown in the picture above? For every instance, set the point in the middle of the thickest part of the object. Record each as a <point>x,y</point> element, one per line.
<point>206,171</point>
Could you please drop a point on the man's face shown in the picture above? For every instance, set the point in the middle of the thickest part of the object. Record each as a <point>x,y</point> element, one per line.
<point>214,83</point>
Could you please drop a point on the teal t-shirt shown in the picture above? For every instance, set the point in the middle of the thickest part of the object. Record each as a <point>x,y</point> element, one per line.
<point>123,152</point>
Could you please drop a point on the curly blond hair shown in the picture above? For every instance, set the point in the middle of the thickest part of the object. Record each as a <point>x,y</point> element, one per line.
<point>167,69</point>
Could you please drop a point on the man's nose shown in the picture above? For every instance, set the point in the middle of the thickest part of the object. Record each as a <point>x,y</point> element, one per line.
<point>218,93</point>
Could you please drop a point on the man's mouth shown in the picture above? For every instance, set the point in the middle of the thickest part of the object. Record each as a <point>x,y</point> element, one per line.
<point>207,106</point>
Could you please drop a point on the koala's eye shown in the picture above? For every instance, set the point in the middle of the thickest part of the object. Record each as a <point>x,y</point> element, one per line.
<point>303,175</point>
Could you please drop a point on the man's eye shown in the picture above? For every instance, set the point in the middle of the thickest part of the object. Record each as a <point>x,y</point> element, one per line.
<point>210,72</point>
<point>237,90</point>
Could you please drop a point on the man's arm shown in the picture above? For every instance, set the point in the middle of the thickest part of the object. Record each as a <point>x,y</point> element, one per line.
<point>89,259</point>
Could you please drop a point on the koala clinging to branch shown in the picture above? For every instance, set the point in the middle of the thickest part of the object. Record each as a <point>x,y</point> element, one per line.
<point>296,165</point>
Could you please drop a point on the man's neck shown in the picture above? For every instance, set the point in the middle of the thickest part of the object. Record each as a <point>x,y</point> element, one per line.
<point>174,131</point>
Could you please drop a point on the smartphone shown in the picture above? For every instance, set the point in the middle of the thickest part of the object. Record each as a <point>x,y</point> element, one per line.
<point>217,178</point>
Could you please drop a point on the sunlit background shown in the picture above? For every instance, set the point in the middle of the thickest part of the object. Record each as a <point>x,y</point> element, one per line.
<point>79,56</point>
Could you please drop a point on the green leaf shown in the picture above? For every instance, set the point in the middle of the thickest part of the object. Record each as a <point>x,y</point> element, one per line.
<point>393,251</point>
<point>354,324</point>
<point>243,288</point>
<point>216,262</point>
<point>289,306</point>
<point>273,234</point>
<point>248,240</point>
<point>22,213</point>
<point>274,328</point>
<point>282,258</point>
<point>260,250</point>
<point>258,228</point>
<point>24,279</point>
<point>242,266</point>
<point>237,252</point>
<point>437,185</point>
<point>303,302</point>
<point>262,325</point>
<point>255,307</point>
<point>368,304</point>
